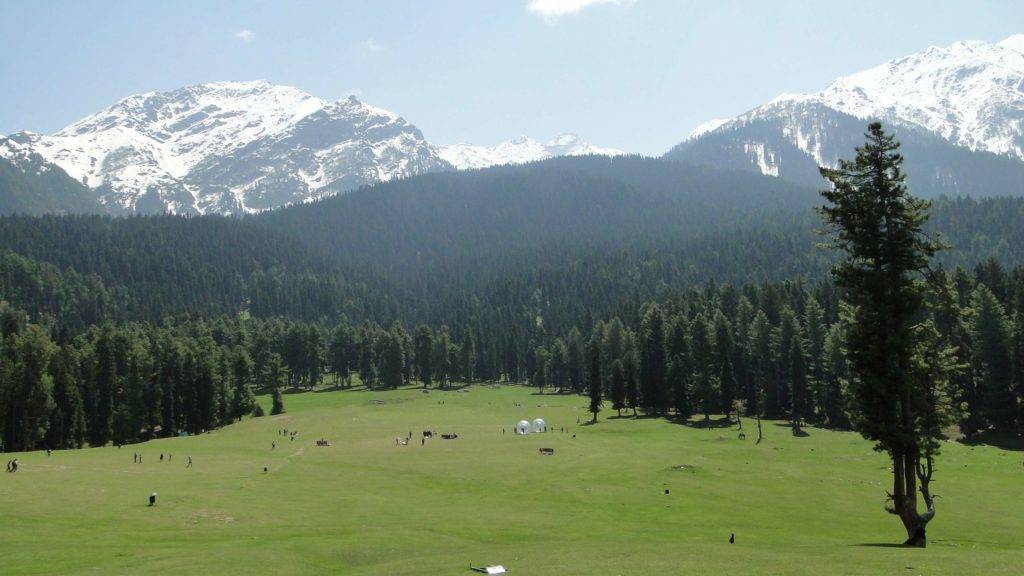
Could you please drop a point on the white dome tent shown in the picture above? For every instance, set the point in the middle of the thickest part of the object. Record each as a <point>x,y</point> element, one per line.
<point>539,425</point>
<point>523,427</point>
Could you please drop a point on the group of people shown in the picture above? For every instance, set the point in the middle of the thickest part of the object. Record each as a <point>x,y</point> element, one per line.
<point>400,441</point>
<point>137,458</point>
<point>12,465</point>
<point>289,433</point>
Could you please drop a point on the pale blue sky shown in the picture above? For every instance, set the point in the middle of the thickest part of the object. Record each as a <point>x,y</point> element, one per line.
<point>631,74</point>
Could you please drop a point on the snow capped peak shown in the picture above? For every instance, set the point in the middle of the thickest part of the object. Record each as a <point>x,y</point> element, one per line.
<point>521,140</point>
<point>519,151</point>
<point>706,127</point>
<point>970,93</point>
<point>246,146</point>
<point>185,147</point>
<point>1015,42</point>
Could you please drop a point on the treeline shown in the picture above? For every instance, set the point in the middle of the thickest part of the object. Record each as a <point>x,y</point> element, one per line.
<point>774,350</point>
<point>777,351</point>
<point>136,381</point>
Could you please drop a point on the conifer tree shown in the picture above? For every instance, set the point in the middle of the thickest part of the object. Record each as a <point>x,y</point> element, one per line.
<point>723,354</point>
<point>618,387</point>
<point>576,360</point>
<point>242,399</point>
<point>67,421</point>
<point>815,333</point>
<point>467,356</point>
<point>653,360</point>
<point>678,376</point>
<point>540,371</point>
<point>834,375</point>
<point>632,386</point>
<point>993,362</point>
<point>762,368</point>
<point>274,379</point>
<point>705,394</point>
<point>442,357</point>
<point>424,355</point>
<point>558,366</point>
<point>393,362</point>
<point>104,382</point>
<point>594,376</point>
<point>878,226</point>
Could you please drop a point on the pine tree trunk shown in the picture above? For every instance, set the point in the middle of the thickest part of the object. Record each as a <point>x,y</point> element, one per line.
<point>904,499</point>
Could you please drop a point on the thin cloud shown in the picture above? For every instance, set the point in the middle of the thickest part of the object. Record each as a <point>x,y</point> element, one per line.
<point>245,35</point>
<point>371,45</point>
<point>552,10</point>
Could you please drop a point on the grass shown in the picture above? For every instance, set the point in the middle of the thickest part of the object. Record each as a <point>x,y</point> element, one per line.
<point>810,505</point>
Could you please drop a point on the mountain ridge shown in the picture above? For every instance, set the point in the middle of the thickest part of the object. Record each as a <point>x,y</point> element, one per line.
<point>963,102</point>
<point>239,147</point>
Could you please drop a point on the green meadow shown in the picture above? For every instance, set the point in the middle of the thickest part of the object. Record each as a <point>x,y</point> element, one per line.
<point>797,505</point>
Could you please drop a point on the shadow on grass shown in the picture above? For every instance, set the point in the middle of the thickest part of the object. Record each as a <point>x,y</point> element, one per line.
<point>885,545</point>
<point>800,432</point>
<point>1001,441</point>
<point>703,424</point>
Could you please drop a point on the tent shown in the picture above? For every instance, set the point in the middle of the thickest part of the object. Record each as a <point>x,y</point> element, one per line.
<point>523,427</point>
<point>499,569</point>
<point>538,425</point>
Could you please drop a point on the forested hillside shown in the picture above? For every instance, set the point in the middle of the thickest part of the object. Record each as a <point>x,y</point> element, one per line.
<point>126,328</point>
<point>151,267</point>
<point>560,239</point>
<point>33,186</point>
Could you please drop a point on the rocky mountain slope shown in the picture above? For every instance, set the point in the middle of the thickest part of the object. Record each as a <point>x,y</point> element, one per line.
<point>243,147</point>
<point>31,185</point>
<point>232,147</point>
<point>958,110</point>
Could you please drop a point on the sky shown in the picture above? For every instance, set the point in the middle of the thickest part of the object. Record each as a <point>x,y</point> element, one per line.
<point>637,75</point>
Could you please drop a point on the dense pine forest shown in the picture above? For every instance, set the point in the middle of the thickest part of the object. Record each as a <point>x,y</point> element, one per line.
<point>772,350</point>
<point>679,290</point>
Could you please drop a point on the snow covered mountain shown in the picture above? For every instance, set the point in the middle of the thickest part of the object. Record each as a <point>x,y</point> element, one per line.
<point>232,147</point>
<point>29,184</point>
<point>519,151</point>
<point>958,110</point>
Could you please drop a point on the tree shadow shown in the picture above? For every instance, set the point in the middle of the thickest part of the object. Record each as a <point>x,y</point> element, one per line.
<point>885,545</point>
<point>342,388</point>
<point>697,422</point>
<point>800,432</point>
<point>1001,441</point>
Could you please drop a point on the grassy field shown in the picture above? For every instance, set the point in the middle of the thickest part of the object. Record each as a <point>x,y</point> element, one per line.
<point>810,505</point>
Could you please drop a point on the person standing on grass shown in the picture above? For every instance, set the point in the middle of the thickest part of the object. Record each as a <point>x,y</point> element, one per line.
<point>189,465</point>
